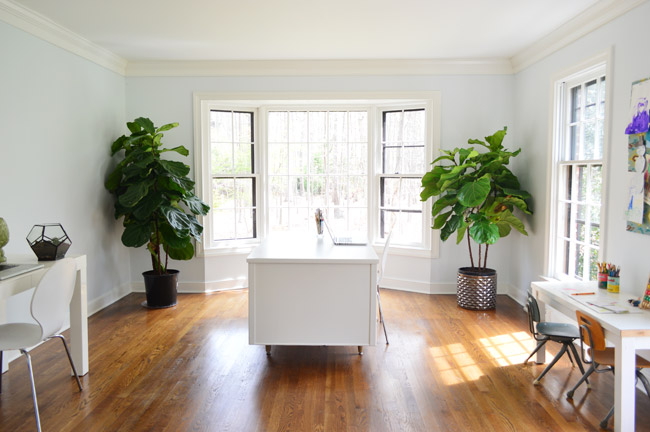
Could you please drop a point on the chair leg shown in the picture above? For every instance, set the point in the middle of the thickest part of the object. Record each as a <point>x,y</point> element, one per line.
<point>603,424</point>
<point>644,381</point>
<point>584,377</point>
<point>539,345</point>
<point>67,351</point>
<point>31,377</point>
<point>0,371</point>
<point>381,316</point>
<point>582,369</point>
<point>548,368</point>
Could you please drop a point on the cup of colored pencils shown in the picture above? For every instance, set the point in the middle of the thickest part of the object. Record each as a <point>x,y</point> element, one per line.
<point>603,275</point>
<point>613,280</point>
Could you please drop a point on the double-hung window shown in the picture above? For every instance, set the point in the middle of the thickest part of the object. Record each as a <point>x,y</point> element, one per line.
<point>267,165</point>
<point>579,144</point>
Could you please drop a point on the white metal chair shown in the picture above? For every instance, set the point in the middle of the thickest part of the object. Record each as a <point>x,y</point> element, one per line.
<point>50,301</point>
<point>380,275</point>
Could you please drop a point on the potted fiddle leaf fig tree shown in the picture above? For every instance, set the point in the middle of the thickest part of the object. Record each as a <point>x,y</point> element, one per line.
<point>477,197</point>
<point>157,202</point>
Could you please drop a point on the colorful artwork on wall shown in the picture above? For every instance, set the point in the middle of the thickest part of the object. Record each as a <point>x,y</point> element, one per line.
<point>638,159</point>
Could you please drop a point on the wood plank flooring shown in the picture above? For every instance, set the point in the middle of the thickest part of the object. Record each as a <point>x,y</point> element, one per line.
<point>190,368</point>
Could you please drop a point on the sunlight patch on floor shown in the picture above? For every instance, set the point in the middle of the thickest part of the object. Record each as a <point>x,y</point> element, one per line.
<point>508,349</point>
<point>455,364</point>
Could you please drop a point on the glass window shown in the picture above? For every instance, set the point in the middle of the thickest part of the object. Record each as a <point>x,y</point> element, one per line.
<point>232,168</point>
<point>578,174</point>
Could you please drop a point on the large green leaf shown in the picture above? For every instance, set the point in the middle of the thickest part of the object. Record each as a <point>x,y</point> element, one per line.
<point>174,238</point>
<point>134,127</point>
<point>136,235</point>
<point>114,179</point>
<point>175,168</point>
<point>451,226</point>
<point>180,150</point>
<point>517,192</point>
<point>144,209</point>
<point>465,154</point>
<point>496,139</point>
<point>134,193</point>
<point>195,205</point>
<point>460,234</point>
<point>474,193</point>
<point>440,220</point>
<point>176,218</point>
<point>512,220</point>
<point>166,127</point>
<point>442,203</point>
<point>484,232</point>
<point>146,124</point>
<point>184,253</point>
<point>118,144</point>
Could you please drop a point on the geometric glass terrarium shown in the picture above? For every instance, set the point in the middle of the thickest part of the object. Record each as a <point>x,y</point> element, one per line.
<point>49,241</point>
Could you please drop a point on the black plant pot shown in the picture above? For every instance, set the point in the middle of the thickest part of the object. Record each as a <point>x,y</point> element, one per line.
<point>160,289</point>
<point>477,289</point>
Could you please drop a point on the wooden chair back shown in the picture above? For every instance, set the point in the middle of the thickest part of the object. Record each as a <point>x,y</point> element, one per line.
<point>591,332</point>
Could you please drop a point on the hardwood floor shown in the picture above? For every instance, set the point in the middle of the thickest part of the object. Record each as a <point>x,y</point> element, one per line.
<point>190,368</point>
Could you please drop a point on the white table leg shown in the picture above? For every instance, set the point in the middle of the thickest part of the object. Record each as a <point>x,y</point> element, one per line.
<point>540,357</point>
<point>79,320</point>
<point>625,387</point>
<point>4,367</point>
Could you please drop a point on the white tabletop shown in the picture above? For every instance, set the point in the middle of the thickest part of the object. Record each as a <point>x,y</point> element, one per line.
<point>308,248</point>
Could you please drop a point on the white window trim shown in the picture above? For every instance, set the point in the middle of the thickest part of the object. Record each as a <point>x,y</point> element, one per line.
<point>557,128</point>
<point>203,101</point>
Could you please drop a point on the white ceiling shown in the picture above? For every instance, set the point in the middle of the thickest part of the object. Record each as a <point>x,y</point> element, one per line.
<point>142,30</point>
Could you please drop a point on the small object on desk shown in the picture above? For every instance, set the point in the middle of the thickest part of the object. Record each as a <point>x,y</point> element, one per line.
<point>645,302</point>
<point>602,279</point>
<point>49,241</point>
<point>584,293</point>
<point>319,221</point>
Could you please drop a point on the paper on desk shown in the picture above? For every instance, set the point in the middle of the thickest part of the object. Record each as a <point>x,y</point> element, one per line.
<point>610,307</point>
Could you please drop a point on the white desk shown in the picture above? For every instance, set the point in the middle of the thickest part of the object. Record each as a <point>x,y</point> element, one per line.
<point>628,332</point>
<point>304,290</point>
<point>78,305</point>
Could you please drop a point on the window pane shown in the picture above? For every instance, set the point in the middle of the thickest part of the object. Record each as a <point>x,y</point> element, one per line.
<point>243,158</point>
<point>278,191</point>
<point>391,160</point>
<point>221,161</point>
<point>593,268</point>
<point>596,183</point>
<point>298,130</point>
<point>298,191</point>
<point>358,158</point>
<point>410,194</point>
<point>298,159</point>
<point>389,192</point>
<point>223,224</point>
<point>279,219</point>
<point>579,191</point>
<point>278,159</point>
<point>299,218</point>
<point>223,193</point>
<point>317,161</point>
<point>318,185</point>
<point>392,128</point>
<point>245,223</point>
<point>358,218</point>
<point>591,89</point>
<point>413,160</point>
<point>357,195</point>
<point>337,126</point>
<point>317,126</point>
<point>277,127</point>
<point>221,126</point>
<point>575,104</point>
<point>243,127</point>
<point>358,127</point>
<point>414,122</point>
<point>244,192</point>
<point>594,238</point>
<point>579,261</point>
<point>337,158</point>
<point>336,191</point>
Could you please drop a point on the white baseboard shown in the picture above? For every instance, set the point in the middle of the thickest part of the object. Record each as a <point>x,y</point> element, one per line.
<point>200,287</point>
<point>109,298</point>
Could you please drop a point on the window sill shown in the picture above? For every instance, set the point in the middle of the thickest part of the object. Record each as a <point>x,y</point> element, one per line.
<point>244,249</point>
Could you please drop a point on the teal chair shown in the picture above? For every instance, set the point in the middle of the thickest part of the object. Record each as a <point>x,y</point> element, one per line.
<point>543,332</point>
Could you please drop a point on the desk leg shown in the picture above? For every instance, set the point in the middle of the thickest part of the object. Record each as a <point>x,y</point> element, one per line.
<point>540,357</point>
<point>4,366</point>
<point>625,385</point>
<point>79,321</point>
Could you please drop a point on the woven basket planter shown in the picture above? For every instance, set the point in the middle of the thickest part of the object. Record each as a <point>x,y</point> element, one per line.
<point>477,290</point>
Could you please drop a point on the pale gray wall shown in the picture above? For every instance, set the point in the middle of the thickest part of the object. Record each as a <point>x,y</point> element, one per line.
<point>59,115</point>
<point>532,91</point>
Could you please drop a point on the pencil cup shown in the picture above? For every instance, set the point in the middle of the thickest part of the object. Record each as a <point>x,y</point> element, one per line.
<point>602,280</point>
<point>613,283</point>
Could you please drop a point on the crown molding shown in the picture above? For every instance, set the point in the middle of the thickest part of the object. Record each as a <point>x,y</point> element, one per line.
<point>319,67</point>
<point>46,29</point>
<point>588,21</point>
